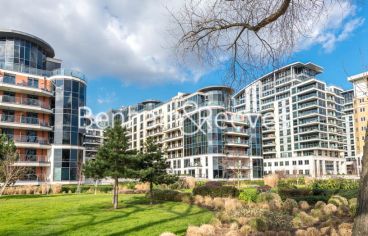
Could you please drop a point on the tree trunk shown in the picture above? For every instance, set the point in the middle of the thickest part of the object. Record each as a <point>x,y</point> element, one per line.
<point>3,187</point>
<point>151,193</point>
<point>116,193</point>
<point>361,218</point>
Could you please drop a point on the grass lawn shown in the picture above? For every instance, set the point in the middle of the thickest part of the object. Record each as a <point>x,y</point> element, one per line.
<point>88,214</point>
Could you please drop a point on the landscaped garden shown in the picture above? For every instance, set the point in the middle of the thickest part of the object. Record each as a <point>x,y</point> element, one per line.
<point>88,214</point>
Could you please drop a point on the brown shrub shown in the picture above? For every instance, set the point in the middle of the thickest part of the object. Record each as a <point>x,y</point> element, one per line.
<point>56,188</point>
<point>245,230</point>
<point>283,233</point>
<point>233,233</point>
<point>142,187</point>
<point>198,200</point>
<point>301,232</point>
<point>216,222</point>
<point>242,220</point>
<point>193,231</point>
<point>289,204</point>
<point>304,220</point>
<point>345,229</point>
<point>207,230</point>
<point>271,180</point>
<point>45,189</point>
<point>218,203</point>
<point>189,182</point>
<point>208,202</point>
<point>167,234</point>
<point>311,231</point>
<point>319,205</point>
<point>325,230</point>
<point>30,189</point>
<point>232,204</point>
<point>329,209</point>
<point>337,200</point>
<point>275,205</point>
<point>234,226</point>
<point>303,205</point>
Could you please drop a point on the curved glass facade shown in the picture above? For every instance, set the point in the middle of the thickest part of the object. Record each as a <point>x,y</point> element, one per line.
<point>20,52</point>
<point>70,94</point>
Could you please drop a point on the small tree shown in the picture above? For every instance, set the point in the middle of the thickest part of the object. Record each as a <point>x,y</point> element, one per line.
<point>153,167</point>
<point>112,160</point>
<point>9,171</point>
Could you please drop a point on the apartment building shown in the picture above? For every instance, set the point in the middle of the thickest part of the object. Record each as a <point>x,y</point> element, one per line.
<point>93,139</point>
<point>39,104</point>
<point>199,132</point>
<point>302,126</point>
<point>353,166</point>
<point>360,116</point>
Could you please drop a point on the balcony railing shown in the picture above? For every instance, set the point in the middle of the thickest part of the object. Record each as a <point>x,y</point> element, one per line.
<point>3,80</point>
<point>34,71</point>
<point>241,142</point>
<point>33,158</point>
<point>23,120</point>
<point>24,101</point>
<point>29,139</point>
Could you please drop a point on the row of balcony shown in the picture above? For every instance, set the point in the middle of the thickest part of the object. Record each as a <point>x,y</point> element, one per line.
<point>23,120</point>
<point>29,139</point>
<point>24,101</point>
<point>24,84</point>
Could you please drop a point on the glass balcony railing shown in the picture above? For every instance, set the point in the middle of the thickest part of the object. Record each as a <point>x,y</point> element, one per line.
<point>33,158</point>
<point>34,71</point>
<point>24,101</point>
<point>23,120</point>
<point>29,139</point>
<point>4,80</point>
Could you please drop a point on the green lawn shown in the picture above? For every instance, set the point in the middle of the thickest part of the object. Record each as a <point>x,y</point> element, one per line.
<point>93,215</point>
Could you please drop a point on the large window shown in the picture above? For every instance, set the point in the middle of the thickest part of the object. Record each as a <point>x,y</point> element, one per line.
<point>67,164</point>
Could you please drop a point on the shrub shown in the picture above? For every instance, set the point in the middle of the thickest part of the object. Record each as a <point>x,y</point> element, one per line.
<point>69,188</point>
<point>294,192</point>
<point>303,205</point>
<point>335,184</point>
<point>218,191</point>
<point>213,184</point>
<point>289,204</point>
<point>338,201</point>
<point>263,189</point>
<point>271,180</point>
<point>142,187</point>
<point>258,224</point>
<point>304,220</point>
<point>169,195</point>
<point>189,182</point>
<point>218,203</point>
<point>329,209</point>
<point>198,200</point>
<point>290,182</point>
<point>232,204</point>
<point>266,197</point>
<point>167,234</point>
<point>248,195</point>
<point>56,188</point>
<point>104,188</point>
<point>278,221</point>
<point>311,199</point>
<point>353,206</point>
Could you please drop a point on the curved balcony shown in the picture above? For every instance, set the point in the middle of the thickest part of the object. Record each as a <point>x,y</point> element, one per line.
<point>26,141</point>
<point>24,122</point>
<point>236,143</point>
<point>24,104</point>
<point>24,87</point>
<point>32,160</point>
<point>236,132</point>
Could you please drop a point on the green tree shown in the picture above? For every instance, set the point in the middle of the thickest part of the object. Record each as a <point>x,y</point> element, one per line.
<point>9,171</point>
<point>113,160</point>
<point>153,166</point>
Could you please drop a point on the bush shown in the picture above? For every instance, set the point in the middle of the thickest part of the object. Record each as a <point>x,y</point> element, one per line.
<point>290,182</point>
<point>216,191</point>
<point>278,221</point>
<point>213,184</point>
<point>338,201</point>
<point>289,204</point>
<point>294,192</point>
<point>335,184</point>
<point>353,206</point>
<point>263,189</point>
<point>170,195</point>
<point>267,197</point>
<point>248,195</point>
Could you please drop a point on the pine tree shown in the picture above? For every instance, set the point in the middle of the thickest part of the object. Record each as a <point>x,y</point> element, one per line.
<point>153,167</point>
<point>113,160</point>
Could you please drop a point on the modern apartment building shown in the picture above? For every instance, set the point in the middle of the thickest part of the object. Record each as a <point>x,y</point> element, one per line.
<point>199,132</point>
<point>39,103</point>
<point>302,126</point>
<point>360,116</point>
<point>352,164</point>
<point>93,139</point>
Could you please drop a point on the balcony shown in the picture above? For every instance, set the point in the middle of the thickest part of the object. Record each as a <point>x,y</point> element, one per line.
<point>24,122</point>
<point>32,160</point>
<point>24,87</point>
<point>237,143</point>
<point>34,71</point>
<point>23,103</point>
<point>236,131</point>
<point>30,141</point>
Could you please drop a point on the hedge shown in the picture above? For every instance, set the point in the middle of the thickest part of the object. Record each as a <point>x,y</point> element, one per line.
<point>170,195</point>
<point>248,194</point>
<point>216,191</point>
<point>85,188</point>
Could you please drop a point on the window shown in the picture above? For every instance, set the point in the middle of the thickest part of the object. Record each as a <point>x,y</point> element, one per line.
<point>294,163</point>
<point>300,172</point>
<point>286,163</point>
<point>300,162</point>
<point>306,162</point>
<point>32,82</point>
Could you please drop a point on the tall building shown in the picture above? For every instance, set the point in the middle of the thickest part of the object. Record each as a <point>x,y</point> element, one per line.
<point>200,133</point>
<point>39,103</point>
<point>301,121</point>
<point>360,106</point>
<point>352,164</point>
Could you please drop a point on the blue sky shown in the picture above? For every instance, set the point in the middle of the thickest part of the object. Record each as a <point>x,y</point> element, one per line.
<point>123,46</point>
<point>345,58</point>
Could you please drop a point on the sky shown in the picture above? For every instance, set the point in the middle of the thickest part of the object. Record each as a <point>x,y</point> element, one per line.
<point>126,48</point>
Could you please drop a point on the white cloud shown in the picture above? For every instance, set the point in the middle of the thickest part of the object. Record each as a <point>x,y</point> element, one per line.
<point>129,39</point>
<point>336,26</point>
